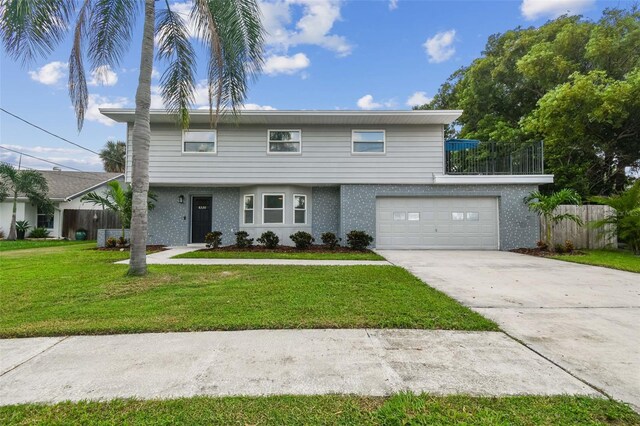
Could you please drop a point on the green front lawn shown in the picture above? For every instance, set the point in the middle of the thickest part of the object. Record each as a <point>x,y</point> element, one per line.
<point>32,244</point>
<point>331,410</point>
<point>306,255</point>
<point>76,290</point>
<point>616,259</point>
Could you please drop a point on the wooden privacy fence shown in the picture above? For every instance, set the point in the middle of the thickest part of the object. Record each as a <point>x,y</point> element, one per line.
<point>582,237</point>
<point>91,220</point>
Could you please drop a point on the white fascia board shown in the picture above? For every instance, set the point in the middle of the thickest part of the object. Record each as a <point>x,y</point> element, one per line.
<point>492,179</point>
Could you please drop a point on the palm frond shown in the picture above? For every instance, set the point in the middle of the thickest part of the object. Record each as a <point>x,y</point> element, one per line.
<point>112,23</point>
<point>178,81</point>
<point>33,28</point>
<point>78,91</point>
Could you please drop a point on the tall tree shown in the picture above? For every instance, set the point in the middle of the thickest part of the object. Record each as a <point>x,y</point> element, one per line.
<point>230,30</point>
<point>113,156</point>
<point>30,183</point>
<point>525,71</point>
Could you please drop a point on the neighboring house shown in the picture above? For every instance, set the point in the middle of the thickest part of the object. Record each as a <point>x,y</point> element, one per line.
<point>65,190</point>
<point>388,173</point>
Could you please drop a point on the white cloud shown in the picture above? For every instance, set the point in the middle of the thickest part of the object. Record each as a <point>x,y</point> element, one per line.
<point>256,107</point>
<point>155,74</point>
<point>534,9</point>
<point>68,156</point>
<point>367,102</point>
<point>97,101</point>
<point>439,47</point>
<point>418,98</point>
<point>201,99</point>
<point>276,64</point>
<point>393,4</point>
<point>103,76</point>
<point>51,73</point>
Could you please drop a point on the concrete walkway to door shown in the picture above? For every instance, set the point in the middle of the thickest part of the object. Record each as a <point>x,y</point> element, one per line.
<point>583,318</point>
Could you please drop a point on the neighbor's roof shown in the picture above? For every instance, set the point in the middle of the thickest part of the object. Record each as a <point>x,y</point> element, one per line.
<point>64,185</point>
<point>299,117</point>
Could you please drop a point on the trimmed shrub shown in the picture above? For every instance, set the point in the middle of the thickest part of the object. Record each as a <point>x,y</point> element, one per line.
<point>39,233</point>
<point>111,242</point>
<point>359,240</point>
<point>569,247</point>
<point>269,239</point>
<point>558,248</point>
<point>213,239</point>
<point>243,240</point>
<point>330,240</point>
<point>122,241</point>
<point>302,240</point>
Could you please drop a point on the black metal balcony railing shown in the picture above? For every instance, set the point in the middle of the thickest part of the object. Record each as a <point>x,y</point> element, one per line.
<point>469,157</point>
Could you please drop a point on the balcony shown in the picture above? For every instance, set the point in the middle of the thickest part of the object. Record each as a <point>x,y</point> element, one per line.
<point>471,157</point>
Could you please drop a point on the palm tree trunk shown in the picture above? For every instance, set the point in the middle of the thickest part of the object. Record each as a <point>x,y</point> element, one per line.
<point>12,228</point>
<point>140,141</point>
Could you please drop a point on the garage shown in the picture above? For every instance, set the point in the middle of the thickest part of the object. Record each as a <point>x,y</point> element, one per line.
<point>468,223</point>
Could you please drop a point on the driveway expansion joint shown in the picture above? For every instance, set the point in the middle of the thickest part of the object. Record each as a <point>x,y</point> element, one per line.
<point>62,339</point>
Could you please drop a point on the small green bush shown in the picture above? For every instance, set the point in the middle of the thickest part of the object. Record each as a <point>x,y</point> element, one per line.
<point>39,233</point>
<point>330,240</point>
<point>302,240</point>
<point>559,248</point>
<point>111,242</point>
<point>359,240</point>
<point>243,240</point>
<point>269,239</point>
<point>122,241</point>
<point>213,239</point>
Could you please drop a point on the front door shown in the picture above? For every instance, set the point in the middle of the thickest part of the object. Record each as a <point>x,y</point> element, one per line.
<point>200,218</point>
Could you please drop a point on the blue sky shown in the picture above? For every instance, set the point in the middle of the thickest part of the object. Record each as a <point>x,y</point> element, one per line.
<point>320,54</point>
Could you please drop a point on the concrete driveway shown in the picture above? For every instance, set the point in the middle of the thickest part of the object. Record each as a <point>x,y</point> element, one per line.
<point>585,319</point>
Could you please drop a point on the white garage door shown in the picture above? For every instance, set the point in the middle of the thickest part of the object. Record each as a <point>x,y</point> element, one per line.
<point>437,223</point>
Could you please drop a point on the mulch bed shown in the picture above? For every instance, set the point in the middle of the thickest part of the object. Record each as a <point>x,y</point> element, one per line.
<point>150,248</point>
<point>544,253</point>
<point>316,248</point>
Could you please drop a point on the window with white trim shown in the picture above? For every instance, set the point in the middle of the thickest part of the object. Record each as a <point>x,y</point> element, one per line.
<point>368,141</point>
<point>300,209</point>
<point>273,208</point>
<point>199,141</point>
<point>284,142</point>
<point>248,209</point>
<point>44,220</point>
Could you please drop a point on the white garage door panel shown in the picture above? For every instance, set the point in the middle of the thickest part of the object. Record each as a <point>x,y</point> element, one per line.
<point>436,227</point>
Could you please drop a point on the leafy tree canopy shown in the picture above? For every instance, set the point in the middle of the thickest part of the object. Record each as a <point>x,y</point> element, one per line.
<point>571,82</point>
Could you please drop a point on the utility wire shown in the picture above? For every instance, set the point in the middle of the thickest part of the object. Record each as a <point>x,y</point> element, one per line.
<point>57,136</point>
<point>41,159</point>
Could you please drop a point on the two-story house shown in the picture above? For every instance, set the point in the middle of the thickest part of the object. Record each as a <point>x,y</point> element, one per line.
<point>389,173</point>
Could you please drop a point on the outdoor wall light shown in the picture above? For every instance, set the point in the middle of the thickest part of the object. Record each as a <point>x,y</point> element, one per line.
<point>180,199</point>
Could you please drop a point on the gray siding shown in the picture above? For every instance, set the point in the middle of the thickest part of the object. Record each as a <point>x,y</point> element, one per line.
<point>413,153</point>
<point>518,226</point>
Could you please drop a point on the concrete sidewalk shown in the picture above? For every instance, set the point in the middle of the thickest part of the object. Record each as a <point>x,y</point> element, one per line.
<point>266,362</point>
<point>166,258</point>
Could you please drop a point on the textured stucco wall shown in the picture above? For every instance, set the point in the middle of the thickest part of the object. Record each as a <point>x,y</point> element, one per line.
<point>518,226</point>
<point>169,221</point>
<point>326,211</point>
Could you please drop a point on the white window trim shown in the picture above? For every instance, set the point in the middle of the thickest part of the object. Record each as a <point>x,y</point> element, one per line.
<point>53,218</point>
<point>306,209</point>
<point>269,152</point>
<point>384,141</point>
<point>284,203</point>
<point>215,143</point>
<point>244,209</point>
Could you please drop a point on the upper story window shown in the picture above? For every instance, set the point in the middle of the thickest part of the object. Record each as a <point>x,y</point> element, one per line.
<point>368,142</point>
<point>199,141</point>
<point>273,208</point>
<point>45,220</point>
<point>248,209</point>
<point>284,142</point>
<point>300,209</point>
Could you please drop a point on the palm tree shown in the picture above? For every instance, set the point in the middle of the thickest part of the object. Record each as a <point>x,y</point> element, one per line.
<point>31,183</point>
<point>545,206</point>
<point>230,31</point>
<point>118,200</point>
<point>113,156</point>
<point>625,220</point>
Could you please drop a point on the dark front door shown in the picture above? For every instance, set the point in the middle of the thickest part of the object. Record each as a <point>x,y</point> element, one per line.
<point>200,218</point>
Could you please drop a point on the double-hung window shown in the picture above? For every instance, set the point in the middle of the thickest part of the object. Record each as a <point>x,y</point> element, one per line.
<point>300,209</point>
<point>368,142</point>
<point>272,208</point>
<point>248,209</point>
<point>44,220</point>
<point>199,141</point>
<point>284,142</point>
